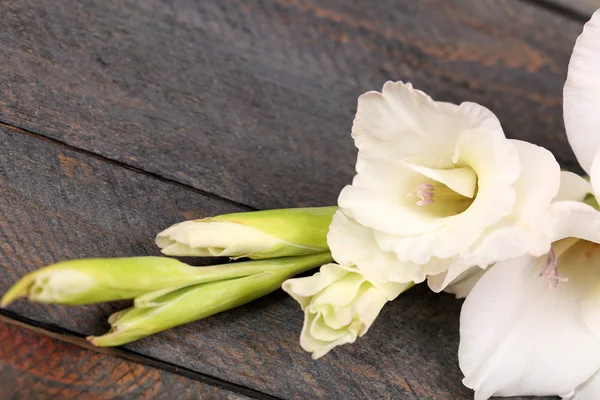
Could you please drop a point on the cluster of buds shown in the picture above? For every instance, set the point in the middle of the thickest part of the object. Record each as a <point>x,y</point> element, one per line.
<point>167,292</point>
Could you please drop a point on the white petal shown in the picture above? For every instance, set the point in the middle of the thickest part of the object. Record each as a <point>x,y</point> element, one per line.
<point>302,289</point>
<point>354,244</point>
<point>572,187</point>
<point>519,337</point>
<point>582,94</point>
<point>589,390</point>
<point>573,219</point>
<point>378,198</point>
<point>595,174</point>
<point>539,180</point>
<point>402,121</point>
<point>462,180</point>
<point>459,279</point>
<point>339,304</point>
<point>462,286</point>
<point>496,163</point>
<point>519,233</point>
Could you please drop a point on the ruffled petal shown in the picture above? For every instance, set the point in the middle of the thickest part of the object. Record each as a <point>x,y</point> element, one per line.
<point>519,337</point>
<point>572,187</point>
<point>354,244</point>
<point>572,219</point>
<point>582,95</point>
<point>465,282</point>
<point>402,121</point>
<point>461,180</point>
<point>459,279</point>
<point>520,232</point>
<point>302,289</point>
<point>378,198</point>
<point>339,305</point>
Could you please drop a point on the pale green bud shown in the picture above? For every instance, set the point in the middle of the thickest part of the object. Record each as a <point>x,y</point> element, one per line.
<point>156,312</point>
<point>89,281</point>
<point>256,235</point>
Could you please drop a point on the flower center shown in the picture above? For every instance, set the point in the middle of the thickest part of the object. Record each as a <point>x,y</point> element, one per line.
<point>550,271</point>
<point>440,199</point>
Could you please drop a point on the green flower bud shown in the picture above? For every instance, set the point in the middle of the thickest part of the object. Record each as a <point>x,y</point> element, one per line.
<point>165,309</point>
<point>89,281</point>
<point>257,235</point>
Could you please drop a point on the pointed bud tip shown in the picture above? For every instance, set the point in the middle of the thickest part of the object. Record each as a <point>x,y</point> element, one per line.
<point>101,341</point>
<point>91,339</point>
<point>5,301</point>
<point>18,290</point>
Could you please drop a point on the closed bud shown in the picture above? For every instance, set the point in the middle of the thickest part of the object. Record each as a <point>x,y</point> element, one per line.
<point>88,281</point>
<point>155,312</point>
<point>256,235</point>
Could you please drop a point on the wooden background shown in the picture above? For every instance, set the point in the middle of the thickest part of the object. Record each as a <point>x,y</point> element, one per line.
<point>119,118</point>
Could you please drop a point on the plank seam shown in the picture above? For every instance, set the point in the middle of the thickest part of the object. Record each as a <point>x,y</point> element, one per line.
<point>124,165</point>
<point>57,332</point>
<point>559,9</point>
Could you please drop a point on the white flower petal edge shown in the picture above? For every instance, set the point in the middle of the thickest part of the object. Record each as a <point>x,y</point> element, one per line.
<point>354,244</point>
<point>518,233</point>
<point>595,174</point>
<point>339,305</point>
<point>518,337</point>
<point>459,279</point>
<point>572,187</point>
<point>589,390</point>
<point>582,95</point>
<point>402,121</point>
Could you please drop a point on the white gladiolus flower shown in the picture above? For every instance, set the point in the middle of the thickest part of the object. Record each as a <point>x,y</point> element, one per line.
<point>438,188</point>
<point>339,305</point>
<point>531,326</point>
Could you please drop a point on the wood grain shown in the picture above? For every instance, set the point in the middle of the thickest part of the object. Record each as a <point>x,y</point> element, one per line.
<point>585,8</point>
<point>253,100</point>
<point>56,204</point>
<point>36,366</point>
<point>250,101</point>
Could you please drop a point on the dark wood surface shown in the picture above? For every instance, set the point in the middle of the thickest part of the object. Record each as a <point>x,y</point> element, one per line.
<point>580,9</point>
<point>42,365</point>
<point>122,117</point>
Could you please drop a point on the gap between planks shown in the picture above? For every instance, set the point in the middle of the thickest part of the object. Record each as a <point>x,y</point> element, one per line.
<point>65,335</point>
<point>123,165</point>
<point>560,9</point>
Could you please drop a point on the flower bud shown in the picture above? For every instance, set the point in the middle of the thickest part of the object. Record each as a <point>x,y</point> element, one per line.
<point>256,235</point>
<point>339,305</point>
<point>165,309</point>
<point>89,281</point>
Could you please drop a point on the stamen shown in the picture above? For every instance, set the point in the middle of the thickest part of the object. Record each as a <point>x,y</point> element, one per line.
<point>550,271</point>
<point>424,202</point>
<point>425,193</point>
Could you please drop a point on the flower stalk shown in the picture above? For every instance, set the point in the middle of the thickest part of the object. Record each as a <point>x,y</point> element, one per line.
<point>166,309</point>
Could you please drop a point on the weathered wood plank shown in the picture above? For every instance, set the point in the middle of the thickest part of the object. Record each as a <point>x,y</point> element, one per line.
<point>582,7</point>
<point>253,100</point>
<point>57,204</point>
<point>36,366</point>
